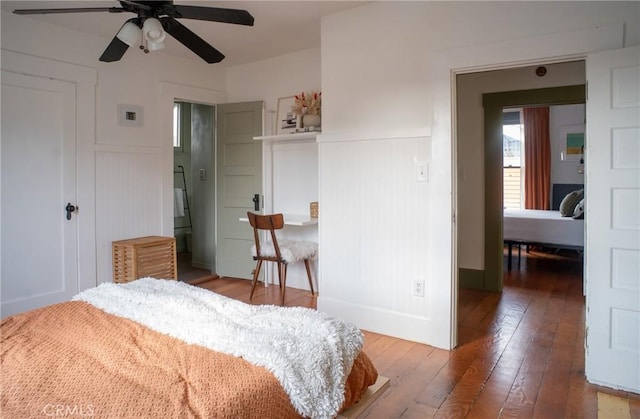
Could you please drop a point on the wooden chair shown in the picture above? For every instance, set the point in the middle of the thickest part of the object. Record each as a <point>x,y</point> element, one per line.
<point>283,252</point>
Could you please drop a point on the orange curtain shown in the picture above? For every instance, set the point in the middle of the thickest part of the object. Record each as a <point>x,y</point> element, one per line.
<point>537,146</point>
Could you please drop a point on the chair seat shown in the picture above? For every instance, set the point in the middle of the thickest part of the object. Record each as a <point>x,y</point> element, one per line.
<point>291,250</point>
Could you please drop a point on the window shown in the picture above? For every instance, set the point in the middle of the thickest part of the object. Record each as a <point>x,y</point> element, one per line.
<point>512,158</point>
<point>177,125</point>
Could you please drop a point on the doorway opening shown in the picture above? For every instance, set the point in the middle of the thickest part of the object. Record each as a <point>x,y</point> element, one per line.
<point>480,181</point>
<point>479,185</point>
<point>194,189</point>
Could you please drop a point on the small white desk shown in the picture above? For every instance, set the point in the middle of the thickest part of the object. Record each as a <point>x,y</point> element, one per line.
<point>293,220</point>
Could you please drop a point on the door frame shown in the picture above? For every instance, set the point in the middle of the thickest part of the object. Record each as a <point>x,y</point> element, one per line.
<point>493,186</point>
<point>445,66</point>
<point>170,92</point>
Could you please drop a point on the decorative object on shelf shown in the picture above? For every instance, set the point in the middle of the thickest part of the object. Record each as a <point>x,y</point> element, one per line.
<point>313,209</point>
<point>286,119</point>
<point>307,106</point>
<point>310,121</point>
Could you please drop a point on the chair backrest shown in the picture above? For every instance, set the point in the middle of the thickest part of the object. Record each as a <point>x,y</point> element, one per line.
<point>268,222</point>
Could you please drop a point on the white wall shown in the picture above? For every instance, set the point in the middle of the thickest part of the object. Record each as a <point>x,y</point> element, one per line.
<point>203,190</point>
<point>130,168</point>
<point>386,74</point>
<point>268,80</point>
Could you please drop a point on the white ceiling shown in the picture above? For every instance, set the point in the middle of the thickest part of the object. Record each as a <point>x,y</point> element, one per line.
<point>280,26</point>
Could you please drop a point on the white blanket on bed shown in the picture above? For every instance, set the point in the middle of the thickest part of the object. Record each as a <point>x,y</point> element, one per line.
<point>309,352</point>
<point>543,226</point>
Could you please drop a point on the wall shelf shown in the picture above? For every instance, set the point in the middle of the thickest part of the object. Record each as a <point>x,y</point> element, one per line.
<point>298,136</point>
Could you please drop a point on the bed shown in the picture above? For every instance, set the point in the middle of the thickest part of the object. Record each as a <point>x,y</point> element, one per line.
<point>160,348</point>
<point>541,227</point>
<point>544,227</point>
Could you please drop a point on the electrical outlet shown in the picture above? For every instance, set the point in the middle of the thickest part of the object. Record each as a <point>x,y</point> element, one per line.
<point>418,288</point>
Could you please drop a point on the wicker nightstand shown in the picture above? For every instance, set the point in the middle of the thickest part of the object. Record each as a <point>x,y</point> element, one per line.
<point>153,256</point>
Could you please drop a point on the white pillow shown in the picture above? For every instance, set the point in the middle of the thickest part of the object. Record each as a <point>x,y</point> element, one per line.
<point>578,212</point>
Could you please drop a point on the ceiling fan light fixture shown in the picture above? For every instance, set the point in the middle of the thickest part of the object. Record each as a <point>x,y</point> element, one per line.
<point>153,32</point>
<point>156,19</point>
<point>155,46</point>
<point>130,34</point>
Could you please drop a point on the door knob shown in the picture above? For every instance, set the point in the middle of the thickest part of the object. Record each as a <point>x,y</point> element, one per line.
<point>70,208</point>
<point>256,202</point>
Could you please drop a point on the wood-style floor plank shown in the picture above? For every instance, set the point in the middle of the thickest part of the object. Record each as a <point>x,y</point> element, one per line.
<point>520,353</point>
<point>404,381</point>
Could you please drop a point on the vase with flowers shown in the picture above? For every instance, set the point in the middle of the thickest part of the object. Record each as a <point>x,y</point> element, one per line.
<point>307,107</point>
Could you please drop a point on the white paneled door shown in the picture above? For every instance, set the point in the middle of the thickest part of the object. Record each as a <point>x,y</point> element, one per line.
<point>612,262</point>
<point>38,176</point>
<point>239,179</point>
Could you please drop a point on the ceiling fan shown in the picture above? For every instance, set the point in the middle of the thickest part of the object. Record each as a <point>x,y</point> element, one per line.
<point>154,18</point>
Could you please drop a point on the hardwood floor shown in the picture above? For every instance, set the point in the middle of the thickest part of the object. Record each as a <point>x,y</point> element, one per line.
<point>520,353</point>
<point>188,273</point>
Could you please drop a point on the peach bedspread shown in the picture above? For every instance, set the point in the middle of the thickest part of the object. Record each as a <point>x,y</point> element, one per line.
<point>72,359</point>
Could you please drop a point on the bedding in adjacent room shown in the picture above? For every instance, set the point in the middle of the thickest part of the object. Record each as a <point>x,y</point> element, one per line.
<point>543,227</point>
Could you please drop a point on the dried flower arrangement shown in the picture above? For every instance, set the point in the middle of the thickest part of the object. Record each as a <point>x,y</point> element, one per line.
<point>307,103</point>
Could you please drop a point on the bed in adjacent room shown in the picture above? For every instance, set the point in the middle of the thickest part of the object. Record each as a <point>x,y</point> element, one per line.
<point>541,227</point>
<point>156,348</point>
<point>561,228</point>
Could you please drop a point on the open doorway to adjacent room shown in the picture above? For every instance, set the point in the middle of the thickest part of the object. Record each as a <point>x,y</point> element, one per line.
<point>194,188</point>
<point>481,169</point>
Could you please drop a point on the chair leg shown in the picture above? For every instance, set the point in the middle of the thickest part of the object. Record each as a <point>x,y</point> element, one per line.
<point>284,281</point>
<point>256,272</point>
<point>280,275</point>
<point>306,265</point>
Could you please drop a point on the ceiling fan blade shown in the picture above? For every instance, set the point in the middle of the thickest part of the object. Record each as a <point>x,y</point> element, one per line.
<point>215,14</point>
<point>136,4</point>
<point>114,51</point>
<point>73,10</point>
<point>192,41</point>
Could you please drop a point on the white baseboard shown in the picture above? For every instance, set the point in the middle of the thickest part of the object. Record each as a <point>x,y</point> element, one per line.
<point>386,322</point>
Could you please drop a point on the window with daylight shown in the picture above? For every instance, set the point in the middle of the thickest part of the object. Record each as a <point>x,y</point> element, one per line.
<point>512,158</point>
<point>177,126</point>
